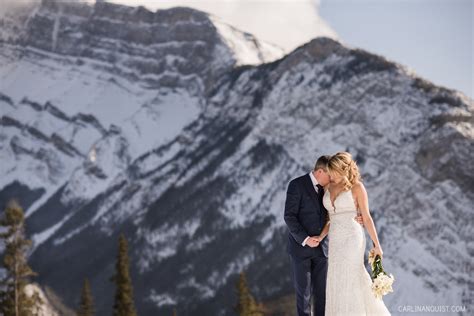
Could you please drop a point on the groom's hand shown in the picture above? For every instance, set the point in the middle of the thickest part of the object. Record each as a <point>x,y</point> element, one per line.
<point>313,241</point>
<point>359,219</point>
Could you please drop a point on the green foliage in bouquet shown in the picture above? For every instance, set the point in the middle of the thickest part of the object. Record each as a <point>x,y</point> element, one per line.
<point>377,267</point>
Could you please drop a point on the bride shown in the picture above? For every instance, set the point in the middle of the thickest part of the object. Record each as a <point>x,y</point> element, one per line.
<point>348,284</point>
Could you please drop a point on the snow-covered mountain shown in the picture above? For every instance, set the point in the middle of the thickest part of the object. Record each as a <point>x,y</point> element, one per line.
<point>183,132</point>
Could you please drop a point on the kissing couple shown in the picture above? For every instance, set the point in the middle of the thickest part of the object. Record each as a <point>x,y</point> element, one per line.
<point>326,212</point>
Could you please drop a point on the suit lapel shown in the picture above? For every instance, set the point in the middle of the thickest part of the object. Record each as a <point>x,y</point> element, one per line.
<point>311,191</point>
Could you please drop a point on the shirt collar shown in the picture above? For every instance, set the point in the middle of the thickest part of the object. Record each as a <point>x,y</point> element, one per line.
<point>313,179</point>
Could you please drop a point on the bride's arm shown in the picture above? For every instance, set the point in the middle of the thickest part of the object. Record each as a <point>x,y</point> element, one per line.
<point>363,202</point>
<point>324,232</point>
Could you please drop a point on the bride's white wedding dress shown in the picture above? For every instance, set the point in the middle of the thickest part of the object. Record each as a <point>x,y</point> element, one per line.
<point>348,284</point>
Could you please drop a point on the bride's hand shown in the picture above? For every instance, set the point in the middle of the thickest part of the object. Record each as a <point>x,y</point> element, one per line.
<point>377,251</point>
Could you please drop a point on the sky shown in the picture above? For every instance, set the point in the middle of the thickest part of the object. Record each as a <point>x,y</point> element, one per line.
<point>434,38</point>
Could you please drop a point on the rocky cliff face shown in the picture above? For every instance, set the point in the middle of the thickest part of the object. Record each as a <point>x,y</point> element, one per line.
<point>183,133</point>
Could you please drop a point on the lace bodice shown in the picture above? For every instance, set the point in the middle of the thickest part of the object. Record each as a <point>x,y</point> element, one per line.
<point>344,203</point>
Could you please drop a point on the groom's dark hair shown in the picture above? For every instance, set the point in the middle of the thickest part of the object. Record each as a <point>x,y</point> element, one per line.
<point>322,163</point>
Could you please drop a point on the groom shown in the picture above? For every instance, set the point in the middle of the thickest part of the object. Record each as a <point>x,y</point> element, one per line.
<point>305,217</point>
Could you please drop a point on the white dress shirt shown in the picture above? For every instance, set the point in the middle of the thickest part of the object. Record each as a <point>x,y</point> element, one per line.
<point>315,183</point>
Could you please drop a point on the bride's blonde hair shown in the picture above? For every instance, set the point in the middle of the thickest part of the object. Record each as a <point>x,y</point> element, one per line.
<point>343,164</point>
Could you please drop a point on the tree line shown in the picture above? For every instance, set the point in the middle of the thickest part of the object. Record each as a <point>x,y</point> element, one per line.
<point>15,301</point>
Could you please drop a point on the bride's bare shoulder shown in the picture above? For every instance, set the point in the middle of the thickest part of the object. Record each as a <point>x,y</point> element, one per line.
<point>359,187</point>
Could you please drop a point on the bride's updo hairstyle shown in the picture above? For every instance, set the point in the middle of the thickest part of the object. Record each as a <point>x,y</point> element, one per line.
<point>342,164</point>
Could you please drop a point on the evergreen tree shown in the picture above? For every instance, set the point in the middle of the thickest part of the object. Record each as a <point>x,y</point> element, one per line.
<point>14,301</point>
<point>123,305</point>
<point>174,312</point>
<point>246,304</point>
<point>86,305</point>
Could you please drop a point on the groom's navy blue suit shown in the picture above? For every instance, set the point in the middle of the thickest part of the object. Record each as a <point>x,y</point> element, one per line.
<point>305,216</point>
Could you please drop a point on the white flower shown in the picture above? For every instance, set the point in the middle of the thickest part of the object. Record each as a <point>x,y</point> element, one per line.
<point>382,284</point>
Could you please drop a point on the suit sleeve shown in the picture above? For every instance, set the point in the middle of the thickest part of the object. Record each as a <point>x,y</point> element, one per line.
<point>325,211</point>
<point>304,241</point>
<point>292,204</point>
<point>326,214</point>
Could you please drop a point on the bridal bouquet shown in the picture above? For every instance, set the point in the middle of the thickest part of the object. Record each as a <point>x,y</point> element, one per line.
<point>381,281</point>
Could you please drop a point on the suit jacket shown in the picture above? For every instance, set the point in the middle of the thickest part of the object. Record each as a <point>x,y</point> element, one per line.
<point>305,216</point>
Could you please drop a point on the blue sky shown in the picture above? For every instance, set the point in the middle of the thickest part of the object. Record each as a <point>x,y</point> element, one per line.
<point>433,37</point>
